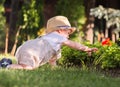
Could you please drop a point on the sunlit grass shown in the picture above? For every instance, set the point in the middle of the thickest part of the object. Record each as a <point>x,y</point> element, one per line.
<point>8,56</point>
<point>58,77</point>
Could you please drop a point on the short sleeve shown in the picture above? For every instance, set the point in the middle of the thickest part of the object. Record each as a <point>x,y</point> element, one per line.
<point>55,40</point>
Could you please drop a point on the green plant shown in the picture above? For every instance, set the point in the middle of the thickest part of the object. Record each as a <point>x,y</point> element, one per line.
<point>108,57</point>
<point>71,57</point>
<point>118,42</point>
<point>105,57</point>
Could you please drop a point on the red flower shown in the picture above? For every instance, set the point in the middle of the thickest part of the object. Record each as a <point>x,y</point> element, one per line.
<point>107,42</point>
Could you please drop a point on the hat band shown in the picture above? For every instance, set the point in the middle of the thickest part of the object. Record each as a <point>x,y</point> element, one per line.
<point>64,27</point>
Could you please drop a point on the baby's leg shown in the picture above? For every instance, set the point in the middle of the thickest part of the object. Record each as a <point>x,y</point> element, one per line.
<point>19,66</point>
<point>52,61</point>
<point>25,61</point>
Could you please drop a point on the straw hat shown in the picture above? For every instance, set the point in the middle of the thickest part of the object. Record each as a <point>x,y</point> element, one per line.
<point>59,22</point>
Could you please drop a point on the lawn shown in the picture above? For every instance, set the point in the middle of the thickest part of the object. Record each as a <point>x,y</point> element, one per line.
<point>58,77</point>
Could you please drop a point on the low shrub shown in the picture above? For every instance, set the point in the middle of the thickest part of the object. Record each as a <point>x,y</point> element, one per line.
<point>108,57</point>
<point>118,42</point>
<point>105,57</point>
<point>72,57</point>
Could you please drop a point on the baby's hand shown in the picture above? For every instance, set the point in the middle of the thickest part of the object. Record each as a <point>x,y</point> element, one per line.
<point>91,49</point>
<point>94,49</point>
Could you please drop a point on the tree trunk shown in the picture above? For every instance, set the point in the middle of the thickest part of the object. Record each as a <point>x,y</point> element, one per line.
<point>16,41</point>
<point>12,8</point>
<point>89,25</point>
<point>13,20</point>
<point>14,31</point>
<point>49,9</point>
<point>6,38</point>
<point>7,12</point>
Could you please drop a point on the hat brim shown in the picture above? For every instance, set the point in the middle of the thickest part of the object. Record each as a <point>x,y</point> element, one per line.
<point>72,29</point>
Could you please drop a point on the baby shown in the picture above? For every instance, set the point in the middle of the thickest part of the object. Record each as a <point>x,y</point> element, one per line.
<point>47,48</point>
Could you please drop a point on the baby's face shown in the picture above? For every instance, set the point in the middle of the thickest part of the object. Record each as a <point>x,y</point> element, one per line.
<point>65,33</point>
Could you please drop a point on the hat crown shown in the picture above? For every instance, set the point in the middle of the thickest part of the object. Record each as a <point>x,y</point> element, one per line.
<point>57,21</point>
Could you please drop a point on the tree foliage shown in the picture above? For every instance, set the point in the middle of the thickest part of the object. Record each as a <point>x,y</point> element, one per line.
<point>74,10</point>
<point>2,26</point>
<point>112,16</point>
<point>31,17</point>
<point>32,14</point>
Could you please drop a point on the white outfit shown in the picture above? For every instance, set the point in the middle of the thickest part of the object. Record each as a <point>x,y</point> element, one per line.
<point>39,51</point>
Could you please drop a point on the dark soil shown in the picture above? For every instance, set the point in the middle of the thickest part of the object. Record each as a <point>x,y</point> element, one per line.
<point>115,72</point>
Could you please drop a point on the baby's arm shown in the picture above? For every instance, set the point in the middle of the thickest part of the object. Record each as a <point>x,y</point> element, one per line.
<point>78,46</point>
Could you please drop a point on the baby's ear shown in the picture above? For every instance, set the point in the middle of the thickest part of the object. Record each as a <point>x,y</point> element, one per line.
<point>58,30</point>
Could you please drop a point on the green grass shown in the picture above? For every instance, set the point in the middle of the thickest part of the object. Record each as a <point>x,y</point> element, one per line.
<point>59,77</point>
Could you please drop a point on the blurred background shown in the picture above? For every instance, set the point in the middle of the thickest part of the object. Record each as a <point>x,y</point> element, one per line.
<point>21,20</point>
